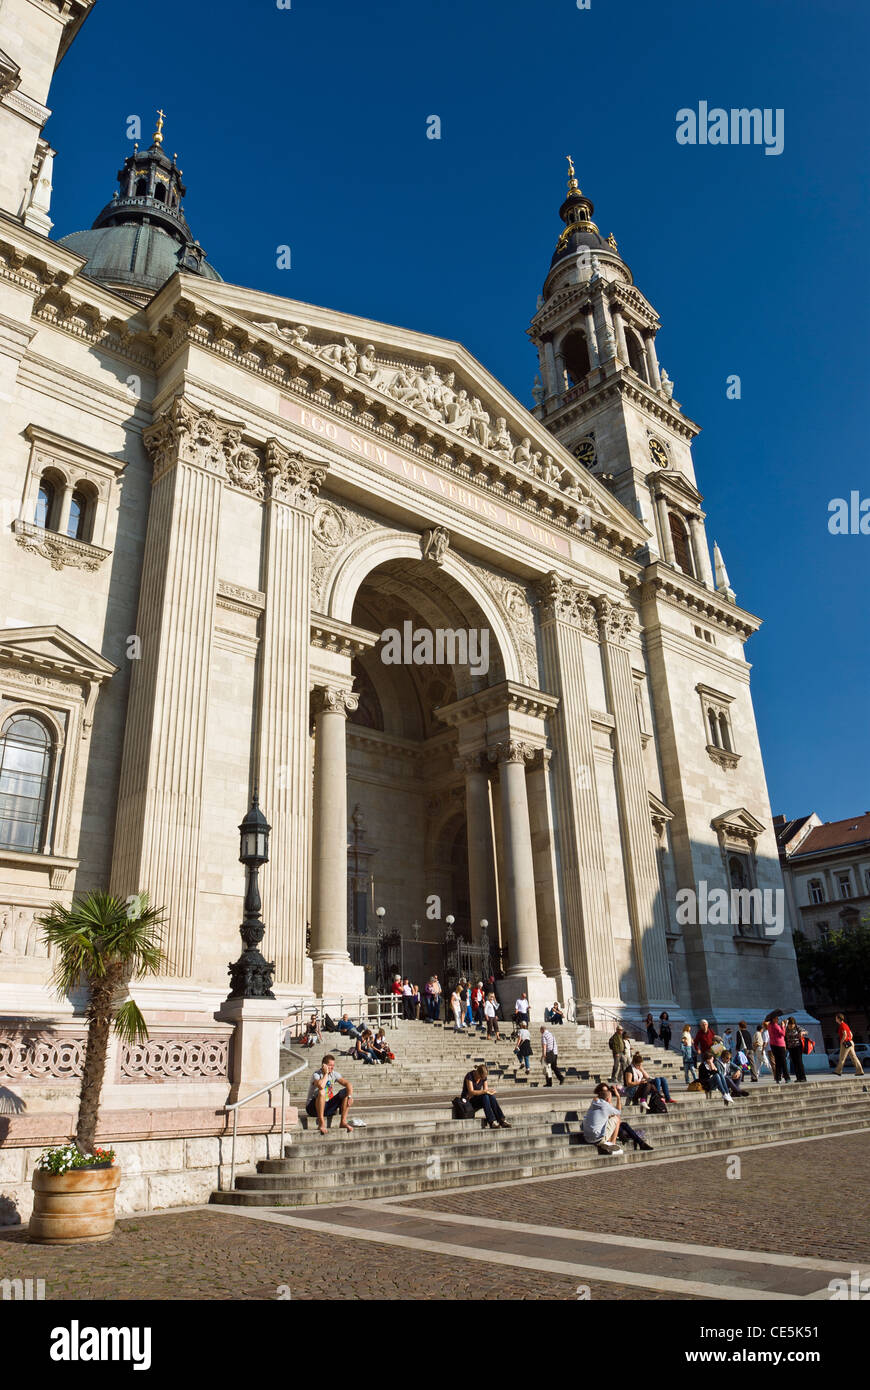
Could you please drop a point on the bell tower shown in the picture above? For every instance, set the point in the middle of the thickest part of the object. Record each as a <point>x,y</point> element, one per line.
<point>604,395</point>
<point>33,39</point>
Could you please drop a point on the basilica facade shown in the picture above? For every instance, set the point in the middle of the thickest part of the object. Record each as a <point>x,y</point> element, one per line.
<point>217,502</point>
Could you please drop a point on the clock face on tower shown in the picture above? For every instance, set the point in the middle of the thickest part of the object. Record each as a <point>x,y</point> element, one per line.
<point>585,453</point>
<point>659,453</point>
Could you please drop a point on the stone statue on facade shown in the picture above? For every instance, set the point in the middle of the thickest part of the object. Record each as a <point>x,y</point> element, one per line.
<point>434,544</point>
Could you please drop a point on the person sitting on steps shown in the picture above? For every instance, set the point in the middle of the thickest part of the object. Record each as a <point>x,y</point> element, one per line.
<point>638,1078</point>
<point>362,1049</point>
<point>603,1123</point>
<point>328,1093</point>
<point>710,1079</point>
<point>477,1090</point>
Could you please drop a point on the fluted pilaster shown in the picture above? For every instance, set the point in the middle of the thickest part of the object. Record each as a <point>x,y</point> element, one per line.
<point>157,842</point>
<point>566,616</point>
<point>292,484</point>
<point>646,909</point>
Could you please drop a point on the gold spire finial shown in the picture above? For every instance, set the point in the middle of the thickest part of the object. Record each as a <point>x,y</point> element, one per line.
<point>573,186</point>
<point>158,134</point>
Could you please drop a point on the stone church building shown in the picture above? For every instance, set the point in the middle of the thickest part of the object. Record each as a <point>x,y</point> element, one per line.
<point>215,502</point>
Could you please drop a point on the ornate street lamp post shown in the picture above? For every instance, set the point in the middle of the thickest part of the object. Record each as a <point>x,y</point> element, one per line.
<point>251,975</point>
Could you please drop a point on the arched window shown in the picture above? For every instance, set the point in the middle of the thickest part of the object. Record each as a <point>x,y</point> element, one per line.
<point>78,516</point>
<point>25,768</point>
<point>160,193</point>
<point>724,732</point>
<point>576,354</point>
<point>636,356</point>
<point>713,719</point>
<point>45,503</point>
<point>682,549</point>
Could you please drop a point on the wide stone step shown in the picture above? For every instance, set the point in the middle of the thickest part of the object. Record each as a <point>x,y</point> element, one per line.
<point>422,1145</point>
<point>578,1159</point>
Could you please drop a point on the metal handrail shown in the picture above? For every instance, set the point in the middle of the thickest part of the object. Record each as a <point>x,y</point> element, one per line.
<point>236,1106</point>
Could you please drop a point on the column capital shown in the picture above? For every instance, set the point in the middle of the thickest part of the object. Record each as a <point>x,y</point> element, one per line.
<point>567,601</point>
<point>291,477</point>
<point>511,751</point>
<point>615,623</point>
<point>333,699</point>
<point>472,762</point>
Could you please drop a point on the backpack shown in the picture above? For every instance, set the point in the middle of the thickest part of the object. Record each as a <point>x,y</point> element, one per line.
<point>807,1044</point>
<point>656,1104</point>
<point>462,1109</point>
<point>694,1086</point>
<point>328,1025</point>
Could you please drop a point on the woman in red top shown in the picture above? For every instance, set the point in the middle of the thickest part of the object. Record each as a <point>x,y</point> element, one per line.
<point>704,1038</point>
<point>776,1033</point>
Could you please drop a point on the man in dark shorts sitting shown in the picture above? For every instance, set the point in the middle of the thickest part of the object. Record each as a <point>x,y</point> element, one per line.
<point>328,1093</point>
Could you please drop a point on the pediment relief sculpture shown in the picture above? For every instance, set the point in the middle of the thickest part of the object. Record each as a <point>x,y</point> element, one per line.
<point>439,397</point>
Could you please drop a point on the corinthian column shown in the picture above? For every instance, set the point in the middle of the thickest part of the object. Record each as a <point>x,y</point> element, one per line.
<point>481,860</point>
<point>567,617</point>
<point>520,915</point>
<point>329,837</point>
<point>292,484</point>
<point>646,909</point>
<point>157,839</point>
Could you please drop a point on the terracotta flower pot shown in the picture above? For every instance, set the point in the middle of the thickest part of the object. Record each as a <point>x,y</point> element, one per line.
<point>74,1206</point>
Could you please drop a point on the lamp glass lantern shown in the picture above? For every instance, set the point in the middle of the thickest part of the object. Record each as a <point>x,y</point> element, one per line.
<point>254,836</point>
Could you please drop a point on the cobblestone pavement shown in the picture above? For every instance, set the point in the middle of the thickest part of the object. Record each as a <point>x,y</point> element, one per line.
<point>204,1255</point>
<point>795,1199</point>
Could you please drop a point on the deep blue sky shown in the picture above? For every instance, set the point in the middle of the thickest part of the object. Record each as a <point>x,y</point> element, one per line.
<point>308,127</point>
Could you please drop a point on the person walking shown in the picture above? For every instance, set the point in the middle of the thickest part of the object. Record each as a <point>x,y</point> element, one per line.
<point>550,1056</point>
<point>490,1013</point>
<point>794,1043</point>
<point>616,1043</point>
<point>687,1052</point>
<point>704,1038</point>
<point>758,1049</point>
<point>651,1034</point>
<point>744,1041</point>
<point>523,1048</point>
<point>776,1034</point>
<point>847,1048</point>
<point>456,1010</point>
<point>665,1030</point>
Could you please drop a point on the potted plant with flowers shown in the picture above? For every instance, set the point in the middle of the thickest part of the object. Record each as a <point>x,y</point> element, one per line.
<point>99,942</point>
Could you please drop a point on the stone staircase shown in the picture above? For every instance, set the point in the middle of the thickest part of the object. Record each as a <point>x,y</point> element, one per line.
<point>431,1059</point>
<point>410,1144</point>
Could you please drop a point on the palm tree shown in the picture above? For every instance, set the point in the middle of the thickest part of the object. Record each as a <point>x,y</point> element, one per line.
<point>101,942</point>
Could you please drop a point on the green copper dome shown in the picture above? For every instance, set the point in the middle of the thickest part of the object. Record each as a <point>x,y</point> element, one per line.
<point>141,237</point>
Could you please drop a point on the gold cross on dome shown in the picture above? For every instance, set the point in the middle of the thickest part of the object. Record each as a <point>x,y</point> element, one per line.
<point>158,134</point>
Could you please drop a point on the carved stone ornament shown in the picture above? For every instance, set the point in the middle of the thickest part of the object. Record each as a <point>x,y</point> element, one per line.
<point>175,1059</point>
<point>62,552</point>
<point>436,395</point>
<point>20,934</point>
<point>334,527</point>
<point>615,622</point>
<point>569,602</point>
<point>434,544</point>
<point>291,477</point>
<point>512,599</point>
<point>511,751</point>
<point>28,1057</point>
<point>333,700</point>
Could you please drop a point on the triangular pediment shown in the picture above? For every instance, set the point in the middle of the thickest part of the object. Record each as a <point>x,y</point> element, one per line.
<point>435,381</point>
<point>53,650</point>
<point>657,809</point>
<point>737,826</point>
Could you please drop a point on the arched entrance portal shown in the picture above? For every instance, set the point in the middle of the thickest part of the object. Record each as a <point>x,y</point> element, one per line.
<point>425,739</point>
<point>436,649</point>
